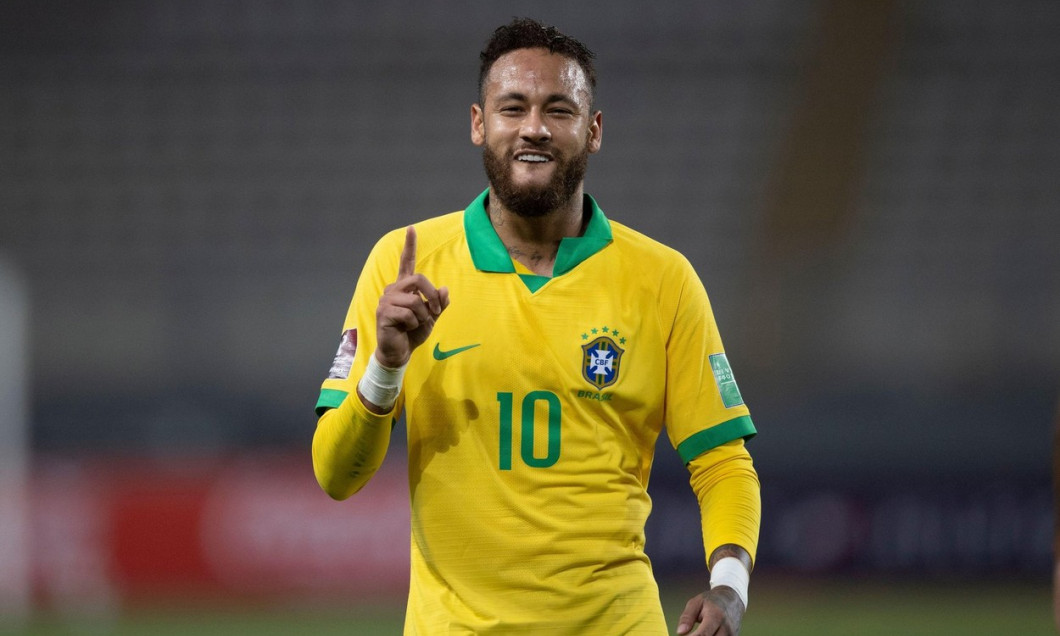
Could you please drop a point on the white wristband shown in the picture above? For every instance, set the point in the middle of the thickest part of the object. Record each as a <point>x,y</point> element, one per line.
<point>381,385</point>
<point>731,572</point>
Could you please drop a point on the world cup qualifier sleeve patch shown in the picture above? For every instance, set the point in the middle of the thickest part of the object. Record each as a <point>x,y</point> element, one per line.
<point>340,367</point>
<point>730,393</point>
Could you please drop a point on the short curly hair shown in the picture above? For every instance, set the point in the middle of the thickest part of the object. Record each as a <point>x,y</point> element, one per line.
<point>526,33</point>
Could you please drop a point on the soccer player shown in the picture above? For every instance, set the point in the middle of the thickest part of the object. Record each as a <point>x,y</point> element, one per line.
<point>538,349</point>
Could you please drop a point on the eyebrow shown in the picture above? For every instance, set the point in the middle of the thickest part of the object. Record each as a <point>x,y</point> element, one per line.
<point>551,99</point>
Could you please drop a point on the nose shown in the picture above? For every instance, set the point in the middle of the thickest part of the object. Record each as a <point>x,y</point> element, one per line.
<point>534,128</point>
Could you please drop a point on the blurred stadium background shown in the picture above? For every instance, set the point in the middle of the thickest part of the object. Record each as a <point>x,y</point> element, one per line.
<point>188,191</point>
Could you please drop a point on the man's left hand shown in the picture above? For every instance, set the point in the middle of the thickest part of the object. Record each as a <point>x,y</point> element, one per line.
<point>719,612</point>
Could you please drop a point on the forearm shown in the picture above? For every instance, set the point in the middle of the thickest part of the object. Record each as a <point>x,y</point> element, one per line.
<point>349,446</point>
<point>730,550</point>
<point>726,484</point>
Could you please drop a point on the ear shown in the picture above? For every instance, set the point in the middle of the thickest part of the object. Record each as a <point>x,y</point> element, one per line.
<point>478,126</point>
<point>596,132</point>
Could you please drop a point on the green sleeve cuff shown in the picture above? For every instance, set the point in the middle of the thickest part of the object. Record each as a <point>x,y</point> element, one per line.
<point>329,399</point>
<point>715,436</point>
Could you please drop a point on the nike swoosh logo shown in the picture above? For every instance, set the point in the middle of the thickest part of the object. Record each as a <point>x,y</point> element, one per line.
<point>442,355</point>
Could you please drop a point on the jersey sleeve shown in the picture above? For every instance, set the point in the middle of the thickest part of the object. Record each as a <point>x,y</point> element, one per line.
<point>704,408</point>
<point>730,502</point>
<point>350,442</point>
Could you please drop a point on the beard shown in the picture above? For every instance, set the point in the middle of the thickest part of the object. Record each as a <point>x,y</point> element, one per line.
<point>535,201</point>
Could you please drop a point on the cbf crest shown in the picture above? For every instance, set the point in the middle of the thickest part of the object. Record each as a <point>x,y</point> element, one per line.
<point>602,358</point>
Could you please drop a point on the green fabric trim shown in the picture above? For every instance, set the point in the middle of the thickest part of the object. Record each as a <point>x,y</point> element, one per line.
<point>575,249</point>
<point>489,254</point>
<point>487,251</point>
<point>329,399</point>
<point>715,436</point>
<point>534,282</point>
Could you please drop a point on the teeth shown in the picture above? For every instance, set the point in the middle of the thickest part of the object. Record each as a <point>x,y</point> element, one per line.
<point>533,158</point>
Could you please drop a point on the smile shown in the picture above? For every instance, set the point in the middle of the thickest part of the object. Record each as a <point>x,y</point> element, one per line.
<point>530,158</point>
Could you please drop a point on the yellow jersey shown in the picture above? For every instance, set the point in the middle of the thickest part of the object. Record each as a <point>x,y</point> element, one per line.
<point>532,413</point>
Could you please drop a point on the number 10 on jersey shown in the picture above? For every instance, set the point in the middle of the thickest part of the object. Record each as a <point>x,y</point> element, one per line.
<point>547,400</point>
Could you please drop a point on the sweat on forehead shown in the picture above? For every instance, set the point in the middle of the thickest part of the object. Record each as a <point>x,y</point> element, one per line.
<point>525,33</point>
<point>530,70</point>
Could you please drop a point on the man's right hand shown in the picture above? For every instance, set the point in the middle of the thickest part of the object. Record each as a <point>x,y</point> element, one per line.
<point>407,309</point>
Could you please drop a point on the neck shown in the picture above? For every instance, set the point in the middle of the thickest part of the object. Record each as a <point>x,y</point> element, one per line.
<point>534,241</point>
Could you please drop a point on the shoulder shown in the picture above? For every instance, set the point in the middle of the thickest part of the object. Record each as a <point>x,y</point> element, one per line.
<point>438,231</point>
<point>430,234</point>
<point>664,273</point>
<point>648,254</point>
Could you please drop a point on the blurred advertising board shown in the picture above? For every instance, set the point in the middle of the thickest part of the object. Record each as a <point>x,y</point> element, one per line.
<point>107,531</point>
<point>255,526</point>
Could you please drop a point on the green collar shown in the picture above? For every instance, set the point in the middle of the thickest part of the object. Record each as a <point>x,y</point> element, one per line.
<point>490,255</point>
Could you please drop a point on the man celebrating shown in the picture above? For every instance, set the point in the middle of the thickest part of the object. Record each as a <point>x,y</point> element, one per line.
<point>536,381</point>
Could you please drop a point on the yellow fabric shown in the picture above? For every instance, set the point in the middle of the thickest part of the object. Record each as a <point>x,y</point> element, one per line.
<point>527,481</point>
<point>730,503</point>
<point>349,446</point>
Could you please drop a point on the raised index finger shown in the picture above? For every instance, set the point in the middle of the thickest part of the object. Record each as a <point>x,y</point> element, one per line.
<point>407,264</point>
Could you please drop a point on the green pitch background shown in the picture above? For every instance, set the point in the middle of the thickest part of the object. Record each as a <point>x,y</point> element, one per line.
<point>779,607</point>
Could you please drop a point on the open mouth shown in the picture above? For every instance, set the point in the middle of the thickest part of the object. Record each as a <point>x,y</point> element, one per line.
<point>530,157</point>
